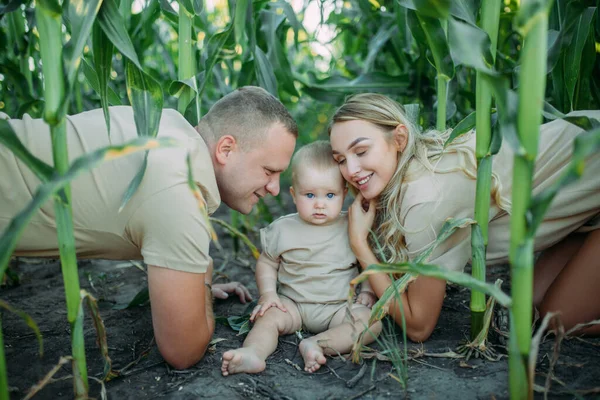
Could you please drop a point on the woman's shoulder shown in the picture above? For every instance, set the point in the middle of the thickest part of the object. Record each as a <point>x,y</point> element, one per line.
<point>437,193</point>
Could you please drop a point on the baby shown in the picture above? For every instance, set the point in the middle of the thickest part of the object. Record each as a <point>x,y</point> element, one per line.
<point>309,255</point>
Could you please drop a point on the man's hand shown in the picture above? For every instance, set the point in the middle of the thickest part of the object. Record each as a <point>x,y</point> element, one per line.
<point>222,291</point>
<point>366,298</point>
<point>266,301</point>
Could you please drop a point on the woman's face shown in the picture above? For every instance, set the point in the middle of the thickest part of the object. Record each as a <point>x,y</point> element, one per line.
<point>367,158</point>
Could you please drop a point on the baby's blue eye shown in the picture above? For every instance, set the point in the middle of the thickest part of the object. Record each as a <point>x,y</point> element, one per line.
<point>330,195</point>
<point>310,195</point>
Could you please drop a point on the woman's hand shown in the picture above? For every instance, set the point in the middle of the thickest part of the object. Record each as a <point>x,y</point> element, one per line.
<point>266,301</point>
<point>361,215</point>
<point>222,291</point>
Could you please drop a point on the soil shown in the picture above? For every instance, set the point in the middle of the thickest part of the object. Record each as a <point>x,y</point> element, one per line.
<point>144,374</point>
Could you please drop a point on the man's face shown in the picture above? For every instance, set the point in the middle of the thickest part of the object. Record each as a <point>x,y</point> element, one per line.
<point>247,176</point>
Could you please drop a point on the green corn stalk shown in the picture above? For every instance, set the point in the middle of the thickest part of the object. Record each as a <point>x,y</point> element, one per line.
<point>49,25</point>
<point>532,78</point>
<point>186,60</point>
<point>490,20</point>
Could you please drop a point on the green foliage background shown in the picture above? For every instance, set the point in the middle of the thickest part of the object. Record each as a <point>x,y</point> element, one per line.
<point>373,48</point>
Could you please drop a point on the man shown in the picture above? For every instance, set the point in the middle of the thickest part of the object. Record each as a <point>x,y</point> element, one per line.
<point>238,151</point>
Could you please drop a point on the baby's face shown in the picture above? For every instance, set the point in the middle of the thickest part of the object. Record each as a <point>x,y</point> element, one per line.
<point>319,195</point>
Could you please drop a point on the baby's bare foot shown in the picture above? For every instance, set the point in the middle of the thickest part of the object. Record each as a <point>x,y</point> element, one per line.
<point>312,354</point>
<point>241,360</point>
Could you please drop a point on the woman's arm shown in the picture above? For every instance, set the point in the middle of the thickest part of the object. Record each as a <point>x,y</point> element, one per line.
<point>421,302</point>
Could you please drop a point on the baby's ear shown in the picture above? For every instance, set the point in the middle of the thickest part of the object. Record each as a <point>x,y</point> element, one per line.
<point>293,194</point>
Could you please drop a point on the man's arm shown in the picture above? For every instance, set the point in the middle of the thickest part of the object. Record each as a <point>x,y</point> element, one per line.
<point>181,314</point>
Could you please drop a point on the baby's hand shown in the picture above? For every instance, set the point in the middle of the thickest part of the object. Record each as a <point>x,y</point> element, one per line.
<point>266,301</point>
<point>366,298</point>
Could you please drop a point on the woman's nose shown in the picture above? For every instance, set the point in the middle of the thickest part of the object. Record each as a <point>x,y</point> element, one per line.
<point>353,167</point>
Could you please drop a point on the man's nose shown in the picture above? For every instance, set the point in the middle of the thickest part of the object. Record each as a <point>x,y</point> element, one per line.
<point>273,186</point>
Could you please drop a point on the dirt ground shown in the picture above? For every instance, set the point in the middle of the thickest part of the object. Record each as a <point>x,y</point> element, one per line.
<point>144,375</point>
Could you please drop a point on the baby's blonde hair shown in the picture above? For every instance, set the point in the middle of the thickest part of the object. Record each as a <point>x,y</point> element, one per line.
<point>421,149</point>
<point>317,154</point>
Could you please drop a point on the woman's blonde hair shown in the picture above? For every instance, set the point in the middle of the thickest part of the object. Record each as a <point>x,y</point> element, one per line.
<point>421,149</point>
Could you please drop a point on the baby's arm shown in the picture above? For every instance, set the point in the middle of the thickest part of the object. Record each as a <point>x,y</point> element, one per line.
<point>266,280</point>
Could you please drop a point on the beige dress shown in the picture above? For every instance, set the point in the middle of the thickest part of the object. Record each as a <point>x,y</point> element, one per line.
<point>316,265</point>
<point>428,199</point>
<point>161,224</point>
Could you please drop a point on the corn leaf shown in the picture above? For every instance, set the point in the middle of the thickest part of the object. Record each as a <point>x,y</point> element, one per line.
<point>562,41</point>
<point>435,37</point>
<point>53,7</point>
<point>100,332</point>
<point>10,237</point>
<point>270,23</point>
<point>11,6</point>
<point>464,126</point>
<point>194,7</point>
<point>435,271</point>
<point>12,74</point>
<point>9,139</point>
<point>236,233</point>
<point>92,79</point>
<point>383,35</point>
<point>176,88</point>
<point>264,72</point>
<point>142,297</point>
<point>82,14</point>
<point>334,89</point>
<point>239,20</point>
<point>574,52</point>
<point>146,98</point>
<point>291,17</point>
<point>103,51</point>
<point>29,321</point>
<point>213,46</point>
<point>113,25</point>
<point>428,8</point>
<point>470,46</point>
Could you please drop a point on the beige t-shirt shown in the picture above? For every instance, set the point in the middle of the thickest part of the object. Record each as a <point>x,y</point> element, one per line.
<point>428,199</point>
<point>316,263</point>
<point>161,224</point>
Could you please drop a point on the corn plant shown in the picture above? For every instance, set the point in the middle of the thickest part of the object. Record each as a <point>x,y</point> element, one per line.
<point>490,17</point>
<point>60,73</point>
<point>533,20</point>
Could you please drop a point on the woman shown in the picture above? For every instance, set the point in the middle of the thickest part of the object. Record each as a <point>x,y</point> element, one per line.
<point>406,187</point>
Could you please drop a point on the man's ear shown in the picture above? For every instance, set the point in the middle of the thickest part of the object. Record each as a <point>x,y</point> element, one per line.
<point>293,193</point>
<point>224,147</point>
<point>401,137</point>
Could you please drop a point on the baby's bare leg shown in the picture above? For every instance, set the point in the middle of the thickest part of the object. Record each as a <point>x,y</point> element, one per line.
<point>262,340</point>
<point>339,338</point>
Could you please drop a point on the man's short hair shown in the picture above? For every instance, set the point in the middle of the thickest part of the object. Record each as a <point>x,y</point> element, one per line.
<point>317,154</point>
<point>246,114</point>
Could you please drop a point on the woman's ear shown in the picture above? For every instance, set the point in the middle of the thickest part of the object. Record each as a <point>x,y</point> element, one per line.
<point>224,147</point>
<point>401,137</point>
